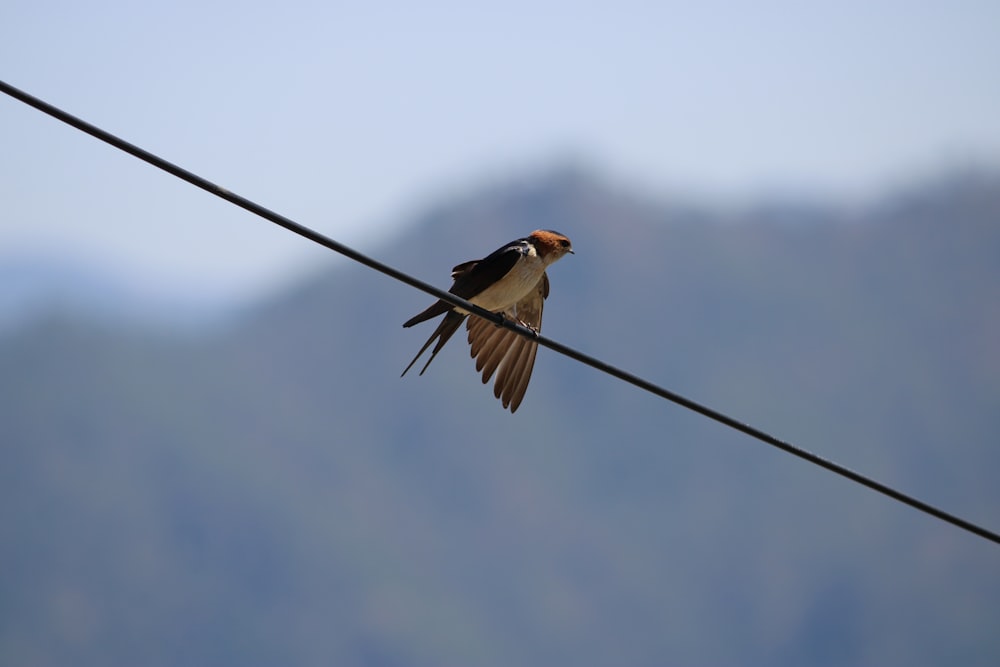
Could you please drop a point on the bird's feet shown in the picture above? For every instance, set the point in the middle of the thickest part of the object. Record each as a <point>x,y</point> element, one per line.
<point>529,327</point>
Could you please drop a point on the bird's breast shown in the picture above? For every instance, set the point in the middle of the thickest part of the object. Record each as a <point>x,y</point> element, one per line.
<point>513,286</point>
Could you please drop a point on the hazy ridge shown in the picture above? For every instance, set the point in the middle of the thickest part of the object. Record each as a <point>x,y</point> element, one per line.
<point>274,493</point>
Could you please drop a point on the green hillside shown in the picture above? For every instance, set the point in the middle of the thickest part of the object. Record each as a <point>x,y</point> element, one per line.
<point>274,493</point>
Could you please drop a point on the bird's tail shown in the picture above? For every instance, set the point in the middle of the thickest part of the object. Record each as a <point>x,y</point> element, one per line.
<point>449,325</point>
<point>433,311</point>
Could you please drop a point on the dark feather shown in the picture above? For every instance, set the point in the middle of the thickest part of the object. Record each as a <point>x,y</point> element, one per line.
<point>449,325</point>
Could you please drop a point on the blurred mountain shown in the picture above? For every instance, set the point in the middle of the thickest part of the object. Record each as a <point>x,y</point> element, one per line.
<point>274,493</point>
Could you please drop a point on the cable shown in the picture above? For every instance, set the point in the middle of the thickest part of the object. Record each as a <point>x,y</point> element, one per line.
<point>496,318</point>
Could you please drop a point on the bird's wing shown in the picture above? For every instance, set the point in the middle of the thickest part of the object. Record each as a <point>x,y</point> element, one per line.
<point>473,277</point>
<point>501,351</point>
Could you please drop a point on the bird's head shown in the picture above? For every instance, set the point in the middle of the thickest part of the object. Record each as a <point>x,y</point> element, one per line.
<point>550,245</point>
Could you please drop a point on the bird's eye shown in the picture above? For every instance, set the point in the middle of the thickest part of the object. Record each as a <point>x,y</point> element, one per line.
<point>564,243</point>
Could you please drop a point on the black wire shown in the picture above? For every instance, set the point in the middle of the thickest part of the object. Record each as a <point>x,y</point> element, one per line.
<point>498,319</point>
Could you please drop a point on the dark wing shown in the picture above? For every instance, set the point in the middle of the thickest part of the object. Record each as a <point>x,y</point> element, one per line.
<point>471,278</point>
<point>501,351</point>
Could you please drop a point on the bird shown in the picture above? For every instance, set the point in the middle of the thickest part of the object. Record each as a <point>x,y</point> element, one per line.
<point>511,281</point>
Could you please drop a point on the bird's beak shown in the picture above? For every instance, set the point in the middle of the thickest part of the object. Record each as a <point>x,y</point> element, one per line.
<point>571,251</point>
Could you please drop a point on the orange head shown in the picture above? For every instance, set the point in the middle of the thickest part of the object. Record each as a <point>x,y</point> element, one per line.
<point>550,245</point>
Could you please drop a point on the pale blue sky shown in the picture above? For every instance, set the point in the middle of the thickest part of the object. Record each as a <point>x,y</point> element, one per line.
<point>347,116</point>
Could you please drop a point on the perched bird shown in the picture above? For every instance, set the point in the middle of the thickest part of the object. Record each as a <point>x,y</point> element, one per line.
<point>511,281</point>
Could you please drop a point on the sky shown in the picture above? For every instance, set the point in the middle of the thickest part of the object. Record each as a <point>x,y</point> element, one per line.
<point>349,117</point>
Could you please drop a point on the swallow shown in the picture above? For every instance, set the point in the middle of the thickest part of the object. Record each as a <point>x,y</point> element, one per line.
<point>510,281</point>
